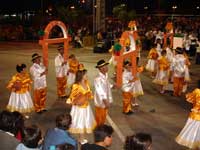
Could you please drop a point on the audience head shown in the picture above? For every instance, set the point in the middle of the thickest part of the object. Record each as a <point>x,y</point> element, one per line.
<point>103,133</point>
<point>18,122</point>
<point>32,136</point>
<point>139,141</point>
<point>63,121</point>
<point>65,146</point>
<point>6,121</point>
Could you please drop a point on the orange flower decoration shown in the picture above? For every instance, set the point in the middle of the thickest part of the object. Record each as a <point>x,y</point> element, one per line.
<point>132,24</point>
<point>169,26</point>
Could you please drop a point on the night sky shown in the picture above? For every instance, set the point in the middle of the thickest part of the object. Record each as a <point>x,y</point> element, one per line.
<point>21,5</point>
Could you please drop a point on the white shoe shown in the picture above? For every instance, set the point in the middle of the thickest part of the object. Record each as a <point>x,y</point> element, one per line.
<point>84,141</point>
<point>27,117</point>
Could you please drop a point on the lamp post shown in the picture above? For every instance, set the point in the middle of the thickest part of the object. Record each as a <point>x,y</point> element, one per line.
<point>174,7</point>
<point>94,19</point>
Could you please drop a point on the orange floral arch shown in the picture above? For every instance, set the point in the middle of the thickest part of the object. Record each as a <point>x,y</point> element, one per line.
<point>168,34</point>
<point>45,41</point>
<point>132,54</point>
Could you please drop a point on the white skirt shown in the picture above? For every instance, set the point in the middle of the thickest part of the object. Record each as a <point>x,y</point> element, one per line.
<point>20,102</point>
<point>137,88</point>
<point>82,120</point>
<point>151,65</point>
<point>161,78</point>
<point>70,79</point>
<point>190,134</point>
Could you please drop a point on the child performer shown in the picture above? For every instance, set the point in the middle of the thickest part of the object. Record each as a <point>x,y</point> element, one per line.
<point>189,136</point>
<point>20,98</point>
<point>131,88</point>
<point>163,71</point>
<point>137,86</point>
<point>152,61</point>
<point>127,88</point>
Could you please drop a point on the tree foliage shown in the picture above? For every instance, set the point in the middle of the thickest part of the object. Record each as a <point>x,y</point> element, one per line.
<point>121,13</point>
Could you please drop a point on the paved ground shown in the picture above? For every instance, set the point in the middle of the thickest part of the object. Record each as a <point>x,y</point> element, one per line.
<point>164,124</point>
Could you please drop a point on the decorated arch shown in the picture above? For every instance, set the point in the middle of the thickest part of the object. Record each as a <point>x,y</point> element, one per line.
<point>45,40</point>
<point>130,46</point>
<point>168,35</point>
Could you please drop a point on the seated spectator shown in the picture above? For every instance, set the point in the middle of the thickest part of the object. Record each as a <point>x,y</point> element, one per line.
<point>58,135</point>
<point>31,139</point>
<point>8,140</point>
<point>139,141</point>
<point>102,138</point>
<point>18,122</point>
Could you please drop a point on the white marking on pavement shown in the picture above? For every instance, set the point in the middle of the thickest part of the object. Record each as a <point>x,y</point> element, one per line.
<point>115,127</point>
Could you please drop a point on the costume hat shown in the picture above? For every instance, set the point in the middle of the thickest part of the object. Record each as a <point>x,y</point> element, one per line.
<point>35,56</point>
<point>101,63</point>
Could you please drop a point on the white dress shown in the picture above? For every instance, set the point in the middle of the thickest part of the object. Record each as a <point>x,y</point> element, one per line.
<point>83,120</point>
<point>20,99</point>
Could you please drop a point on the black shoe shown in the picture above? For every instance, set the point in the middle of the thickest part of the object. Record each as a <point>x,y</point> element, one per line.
<point>39,112</point>
<point>65,96</point>
<point>128,113</point>
<point>44,110</point>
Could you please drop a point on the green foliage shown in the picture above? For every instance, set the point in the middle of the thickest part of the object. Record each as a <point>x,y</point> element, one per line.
<point>131,15</point>
<point>138,42</point>
<point>41,32</point>
<point>120,12</point>
<point>178,35</point>
<point>66,14</point>
<point>117,47</point>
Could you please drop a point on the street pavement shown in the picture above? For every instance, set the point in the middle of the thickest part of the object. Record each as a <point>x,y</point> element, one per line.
<point>161,115</point>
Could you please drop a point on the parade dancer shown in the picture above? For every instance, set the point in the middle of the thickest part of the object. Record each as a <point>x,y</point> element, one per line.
<point>127,88</point>
<point>38,72</point>
<point>190,134</point>
<point>162,75</point>
<point>61,68</point>
<point>20,99</point>
<point>180,72</point>
<point>83,120</point>
<point>152,61</point>
<point>102,94</point>
<point>131,88</point>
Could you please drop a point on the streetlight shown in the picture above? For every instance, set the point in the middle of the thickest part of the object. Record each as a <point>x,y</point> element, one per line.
<point>174,7</point>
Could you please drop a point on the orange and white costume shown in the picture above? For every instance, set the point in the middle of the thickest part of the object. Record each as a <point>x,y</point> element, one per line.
<point>152,60</point>
<point>82,116</point>
<point>162,75</point>
<point>180,73</point>
<point>61,75</point>
<point>102,92</point>
<point>190,134</point>
<point>127,89</point>
<point>137,86</point>
<point>20,99</point>
<point>40,86</point>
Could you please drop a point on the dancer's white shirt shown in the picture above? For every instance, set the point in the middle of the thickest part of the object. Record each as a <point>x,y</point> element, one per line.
<point>39,81</point>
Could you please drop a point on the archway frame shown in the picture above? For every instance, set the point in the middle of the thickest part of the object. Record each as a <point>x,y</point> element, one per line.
<point>132,55</point>
<point>45,41</point>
